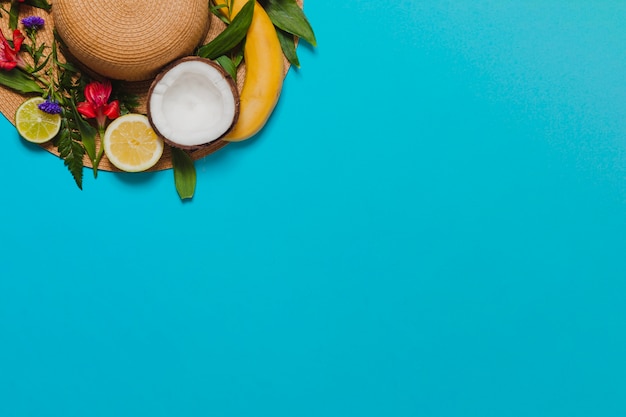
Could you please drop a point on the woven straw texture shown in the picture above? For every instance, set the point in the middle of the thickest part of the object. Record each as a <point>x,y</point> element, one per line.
<point>10,101</point>
<point>128,40</point>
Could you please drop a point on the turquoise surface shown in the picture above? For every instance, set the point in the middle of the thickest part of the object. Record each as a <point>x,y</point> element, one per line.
<point>433,223</point>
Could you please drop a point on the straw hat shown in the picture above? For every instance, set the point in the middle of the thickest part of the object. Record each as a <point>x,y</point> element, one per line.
<point>130,40</point>
<point>125,40</point>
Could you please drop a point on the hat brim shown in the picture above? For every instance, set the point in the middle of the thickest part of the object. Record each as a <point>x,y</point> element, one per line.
<point>10,100</point>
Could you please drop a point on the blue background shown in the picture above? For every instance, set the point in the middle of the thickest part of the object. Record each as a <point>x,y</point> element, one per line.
<point>433,223</point>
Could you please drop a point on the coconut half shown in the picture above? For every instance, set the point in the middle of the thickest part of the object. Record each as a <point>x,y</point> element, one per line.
<point>192,103</point>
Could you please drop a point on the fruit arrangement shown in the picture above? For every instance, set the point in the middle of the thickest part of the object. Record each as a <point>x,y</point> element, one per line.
<point>103,97</point>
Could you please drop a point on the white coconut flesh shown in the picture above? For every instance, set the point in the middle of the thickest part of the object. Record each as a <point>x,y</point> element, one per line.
<point>192,103</point>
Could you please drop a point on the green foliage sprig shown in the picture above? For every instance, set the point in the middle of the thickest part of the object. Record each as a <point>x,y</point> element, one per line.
<point>291,24</point>
<point>184,173</point>
<point>70,145</point>
<point>61,82</point>
<point>287,16</point>
<point>232,36</point>
<point>76,136</point>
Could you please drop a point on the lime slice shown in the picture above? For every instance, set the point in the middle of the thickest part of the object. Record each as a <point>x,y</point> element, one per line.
<point>35,125</point>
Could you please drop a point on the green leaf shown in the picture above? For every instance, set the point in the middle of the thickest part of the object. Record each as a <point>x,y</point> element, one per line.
<point>288,45</point>
<point>231,36</point>
<point>41,4</point>
<point>67,67</point>
<point>42,65</point>
<point>238,57</point>
<point>14,15</point>
<point>129,102</point>
<point>184,173</point>
<point>39,53</point>
<point>288,16</point>
<point>216,11</point>
<point>71,152</point>
<point>228,65</point>
<point>87,135</point>
<point>19,81</point>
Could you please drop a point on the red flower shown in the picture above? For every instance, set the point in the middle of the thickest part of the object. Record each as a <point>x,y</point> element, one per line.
<point>9,57</point>
<point>97,105</point>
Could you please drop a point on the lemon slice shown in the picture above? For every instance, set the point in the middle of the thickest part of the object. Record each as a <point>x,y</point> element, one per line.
<point>35,125</point>
<point>131,144</point>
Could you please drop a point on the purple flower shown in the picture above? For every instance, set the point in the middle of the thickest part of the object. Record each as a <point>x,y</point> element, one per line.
<point>50,107</point>
<point>33,22</point>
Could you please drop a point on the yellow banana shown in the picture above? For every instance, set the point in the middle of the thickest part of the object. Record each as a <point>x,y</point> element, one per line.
<point>264,74</point>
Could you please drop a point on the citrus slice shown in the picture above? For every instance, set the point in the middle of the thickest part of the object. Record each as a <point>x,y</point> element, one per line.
<point>35,125</point>
<point>131,144</point>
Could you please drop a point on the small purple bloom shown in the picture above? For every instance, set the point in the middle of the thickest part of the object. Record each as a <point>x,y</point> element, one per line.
<point>33,22</point>
<point>50,107</point>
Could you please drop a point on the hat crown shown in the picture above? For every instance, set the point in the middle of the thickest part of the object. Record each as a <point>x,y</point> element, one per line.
<point>130,39</point>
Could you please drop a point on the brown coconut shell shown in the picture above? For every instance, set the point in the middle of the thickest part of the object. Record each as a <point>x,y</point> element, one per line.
<point>225,75</point>
<point>130,40</point>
